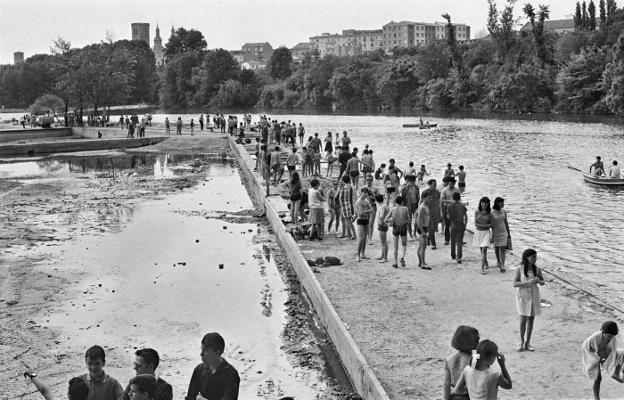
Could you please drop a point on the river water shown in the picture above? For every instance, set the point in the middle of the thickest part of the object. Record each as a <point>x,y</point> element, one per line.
<point>575,226</point>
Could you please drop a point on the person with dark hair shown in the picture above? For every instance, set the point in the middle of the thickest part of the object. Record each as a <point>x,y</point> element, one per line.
<point>399,219</point>
<point>363,211</point>
<point>77,390</point>
<point>317,211</point>
<point>411,195</point>
<point>600,351</point>
<point>382,227</point>
<point>500,232</point>
<point>435,212</point>
<point>420,176</point>
<point>614,171</point>
<point>478,379</point>
<point>214,378</point>
<point>145,363</point>
<point>527,277</point>
<point>482,234</point>
<point>461,179</point>
<point>458,218</point>
<point>101,385</point>
<point>446,199</point>
<point>423,220</point>
<point>295,196</point>
<point>449,171</point>
<point>597,168</point>
<point>276,166</point>
<point>465,340</point>
<point>142,387</point>
<point>345,196</point>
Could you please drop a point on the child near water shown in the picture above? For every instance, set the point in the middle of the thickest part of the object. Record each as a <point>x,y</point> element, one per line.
<point>421,174</point>
<point>478,379</point>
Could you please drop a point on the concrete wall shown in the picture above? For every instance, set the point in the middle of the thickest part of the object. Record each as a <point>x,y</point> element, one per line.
<point>362,377</point>
<point>31,149</point>
<point>13,135</point>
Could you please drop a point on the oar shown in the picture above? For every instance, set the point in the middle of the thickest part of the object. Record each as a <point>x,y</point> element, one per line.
<point>575,169</point>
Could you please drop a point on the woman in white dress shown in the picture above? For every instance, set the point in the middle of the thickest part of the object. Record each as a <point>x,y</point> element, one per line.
<point>527,278</point>
<point>482,233</point>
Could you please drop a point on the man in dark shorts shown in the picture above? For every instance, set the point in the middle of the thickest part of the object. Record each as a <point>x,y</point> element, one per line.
<point>411,197</point>
<point>422,226</point>
<point>399,219</point>
<point>434,211</point>
<point>457,214</point>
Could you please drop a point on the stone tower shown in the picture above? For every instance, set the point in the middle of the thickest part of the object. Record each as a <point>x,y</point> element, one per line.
<point>140,31</point>
<point>18,57</point>
<point>158,48</point>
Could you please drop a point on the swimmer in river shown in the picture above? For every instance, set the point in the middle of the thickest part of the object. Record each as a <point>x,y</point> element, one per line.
<point>421,174</point>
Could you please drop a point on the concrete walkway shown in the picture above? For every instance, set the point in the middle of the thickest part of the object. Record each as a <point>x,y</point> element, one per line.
<point>403,319</point>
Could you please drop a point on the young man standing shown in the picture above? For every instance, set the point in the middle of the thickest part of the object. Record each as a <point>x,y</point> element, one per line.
<point>214,378</point>
<point>446,198</point>
<point>411,196</point>
<point>346,208</point>
<point>457,215</point>
<point>317,212</point>
<point>363,210</point>
<point>399,219</point>
<point>276,166</point>
<point>101,385</point>
<point>422,226</point>
<point>434,211</point>
<point>145,363</point>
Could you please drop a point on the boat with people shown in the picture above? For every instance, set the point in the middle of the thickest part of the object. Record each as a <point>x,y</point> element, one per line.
<point>600,180</point>
<point>420,126</point>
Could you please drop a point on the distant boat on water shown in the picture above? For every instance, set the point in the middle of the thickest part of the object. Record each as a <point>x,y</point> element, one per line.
<point>600,180</point>
<point>420,126</point>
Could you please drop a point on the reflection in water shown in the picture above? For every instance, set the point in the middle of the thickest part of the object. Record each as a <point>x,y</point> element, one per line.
<point>104,166</point>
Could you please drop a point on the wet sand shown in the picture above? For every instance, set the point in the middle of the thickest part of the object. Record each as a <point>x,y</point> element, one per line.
<point>403,319</point>
<point>116,261</point>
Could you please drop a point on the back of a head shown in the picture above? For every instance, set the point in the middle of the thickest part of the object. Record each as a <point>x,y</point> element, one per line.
<point>487,349</point>
<point>399,200</point>
<point>78,389</point>
<point>465,339</point>
<point>609,327</point>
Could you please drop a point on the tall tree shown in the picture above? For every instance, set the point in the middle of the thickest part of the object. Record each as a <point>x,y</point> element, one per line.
<point>603,13</point>
<point>578,17</point>
<point>451,42</point>
<point>584,18</point>
<point>537,24</point>
<point>217,67</point>
<point>591,9</point>
<point>185,40</point>
<point>280,63</point>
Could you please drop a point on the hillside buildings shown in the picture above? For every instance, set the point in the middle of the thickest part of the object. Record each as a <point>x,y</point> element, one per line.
<point>403,34</point>
<point>18,57</point>
<point>559,26</point>
<point>140,31</point>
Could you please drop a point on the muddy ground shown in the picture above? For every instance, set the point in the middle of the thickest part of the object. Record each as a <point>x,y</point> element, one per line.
<point>37,214</point>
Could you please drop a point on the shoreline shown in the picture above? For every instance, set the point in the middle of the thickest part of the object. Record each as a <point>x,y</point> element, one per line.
<point>406,347</point>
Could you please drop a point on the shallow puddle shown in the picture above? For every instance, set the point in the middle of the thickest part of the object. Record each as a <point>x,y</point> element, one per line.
<point>174,272</point>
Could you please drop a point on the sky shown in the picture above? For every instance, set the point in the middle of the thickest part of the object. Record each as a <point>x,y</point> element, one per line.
<point>30,26</point>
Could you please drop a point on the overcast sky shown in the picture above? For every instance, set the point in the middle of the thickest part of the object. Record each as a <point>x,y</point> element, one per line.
<point>31,25</point>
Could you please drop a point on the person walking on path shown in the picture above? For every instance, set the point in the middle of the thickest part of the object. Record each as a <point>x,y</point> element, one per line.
<point>434,211</point>
<point>500,232</point>
<point>333,204</point>
<point>276,166</point>
<point>600,352</point>
<point>382,227</point>
<point>411,193</point>
<point>482,234</point>
<point>457,215</point>
<point>423,221</point>
<point>363,210</point>
<point>478,379</point>
<point>465,341</point>
<point>446,198</point>
<point>346,208</point>
<point>527,277</point>
<point>295,197</point>
<point>399,219</point>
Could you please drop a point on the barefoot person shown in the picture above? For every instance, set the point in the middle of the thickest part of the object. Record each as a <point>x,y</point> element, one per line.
<point>372,196</point>
<point>382,227</point>
<point>482,234</point>
<point>457,214</point>
<point>345,196</point>
<point>434,211</point>
<point>526,279</point>
<point>423,220</point>
<point>399,219</point>
<point>295,197</point>
<point>600,352</point>
<point>500,232</point>
<point>363,210</point>
<point>317,212</point>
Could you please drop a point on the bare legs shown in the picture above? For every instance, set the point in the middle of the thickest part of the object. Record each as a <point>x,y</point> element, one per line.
<point>396,250</point>
<point>422,246</point>
<point>362,231</point>
<point>383,238</point>
<point>294,210</point>
<point>371,224</point>
<point>526,327</point>
<point>500,256</point>
<point>484,262</point>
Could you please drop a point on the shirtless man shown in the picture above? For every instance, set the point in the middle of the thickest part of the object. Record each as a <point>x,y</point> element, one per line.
<point>598,167</point>
<point>614,172</point>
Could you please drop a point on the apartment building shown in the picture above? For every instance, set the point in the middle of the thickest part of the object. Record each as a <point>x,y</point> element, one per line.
<point>257,51</point>
<point>300,51</point>
<point>326,44</point>
<point>398,34</point>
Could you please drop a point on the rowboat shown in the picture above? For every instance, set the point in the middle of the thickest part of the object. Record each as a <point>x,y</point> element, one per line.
<point>600,180</point>
<point>419,126</point>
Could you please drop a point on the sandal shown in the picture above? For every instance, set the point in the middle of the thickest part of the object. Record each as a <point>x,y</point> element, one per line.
<point>402,261</point>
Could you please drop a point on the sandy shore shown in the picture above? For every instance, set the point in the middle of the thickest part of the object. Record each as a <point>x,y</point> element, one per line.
<point>403,319</point>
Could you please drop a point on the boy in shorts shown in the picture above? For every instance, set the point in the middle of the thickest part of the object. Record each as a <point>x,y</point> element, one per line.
<point>382,227</point>
<point>291,162</point>
<point>422,225</point>
<point>399,219</point>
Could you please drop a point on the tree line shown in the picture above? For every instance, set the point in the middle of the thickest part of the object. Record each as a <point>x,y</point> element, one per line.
<point>509,70</point>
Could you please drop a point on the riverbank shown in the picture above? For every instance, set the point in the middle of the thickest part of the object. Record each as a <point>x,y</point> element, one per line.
<point>403,319</point>
<point>77,249</point>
